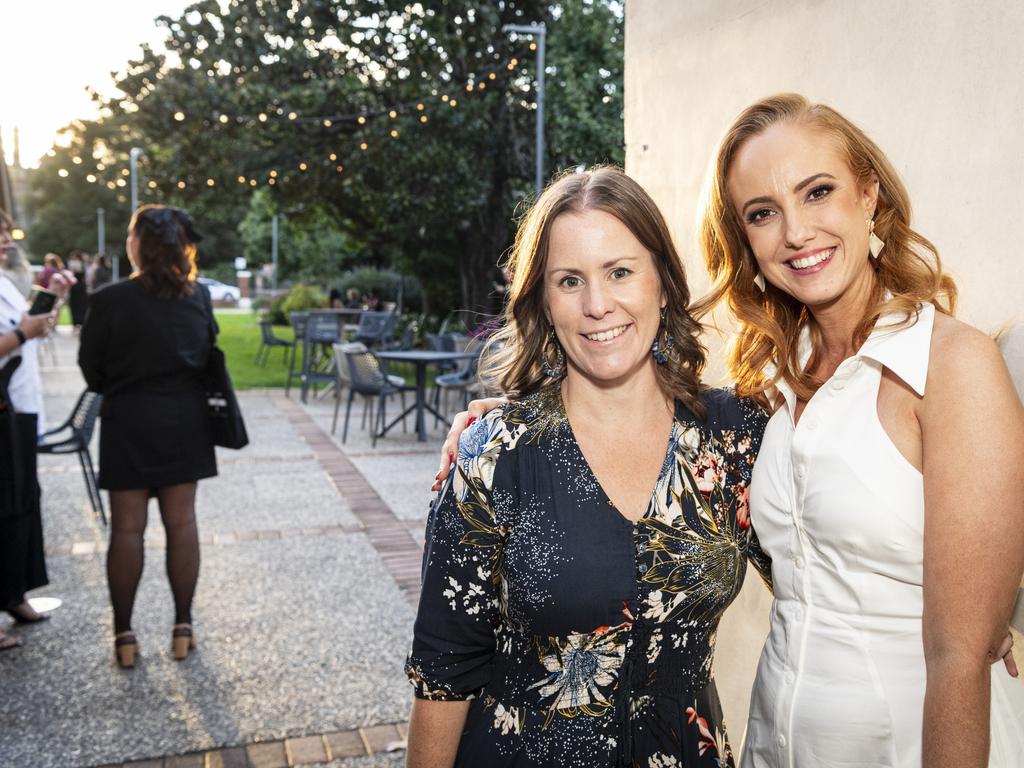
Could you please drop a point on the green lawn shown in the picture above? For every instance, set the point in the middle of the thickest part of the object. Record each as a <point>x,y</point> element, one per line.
<point>240,339</point>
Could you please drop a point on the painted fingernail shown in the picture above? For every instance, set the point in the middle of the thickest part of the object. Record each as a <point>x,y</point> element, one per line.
<point>470,422</point>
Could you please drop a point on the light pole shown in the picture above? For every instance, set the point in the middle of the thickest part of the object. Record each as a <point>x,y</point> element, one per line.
<point>101,232</point>
<point>540,31</point>
<point>133,164</point>
<point>273,253</point>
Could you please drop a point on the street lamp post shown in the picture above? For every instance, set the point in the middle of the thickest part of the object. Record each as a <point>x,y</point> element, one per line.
<point>101,232</point>
<point>539,31</point>
<point>273,253</point>
<point>133,164</point>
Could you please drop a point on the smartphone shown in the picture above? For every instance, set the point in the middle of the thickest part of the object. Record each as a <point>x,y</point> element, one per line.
<point>41,300</point>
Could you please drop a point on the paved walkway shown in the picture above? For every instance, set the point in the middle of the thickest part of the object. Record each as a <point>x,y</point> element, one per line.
<point>303,613</point>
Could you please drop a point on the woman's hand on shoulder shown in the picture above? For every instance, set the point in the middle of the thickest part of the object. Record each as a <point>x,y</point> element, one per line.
<point>475,410</point>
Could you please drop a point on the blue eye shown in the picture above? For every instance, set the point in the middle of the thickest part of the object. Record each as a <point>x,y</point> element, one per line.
<point>569,281</point>
<point>621,272</point>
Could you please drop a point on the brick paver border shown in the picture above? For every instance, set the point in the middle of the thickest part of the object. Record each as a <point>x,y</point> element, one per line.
<point>401,553</point>
<point>300,750</point>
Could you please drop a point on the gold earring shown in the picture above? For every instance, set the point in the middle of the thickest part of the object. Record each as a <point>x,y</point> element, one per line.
<point>875,243</point>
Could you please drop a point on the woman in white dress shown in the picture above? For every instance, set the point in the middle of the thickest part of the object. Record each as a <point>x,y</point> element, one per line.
<point>888,491</point>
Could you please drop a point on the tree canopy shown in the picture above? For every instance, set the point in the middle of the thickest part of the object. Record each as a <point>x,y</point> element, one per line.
<point>391,134</point>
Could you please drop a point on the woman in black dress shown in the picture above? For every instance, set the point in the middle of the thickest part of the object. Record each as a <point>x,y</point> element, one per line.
<point>145,345</point>
<point>595,527</point>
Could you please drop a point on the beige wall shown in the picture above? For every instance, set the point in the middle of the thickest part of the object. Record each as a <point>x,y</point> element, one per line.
<point>939,84</point>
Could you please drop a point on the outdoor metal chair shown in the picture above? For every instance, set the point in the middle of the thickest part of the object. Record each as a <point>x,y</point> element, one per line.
<point>268,340</point>
<point>366,377</point>
<point>461,380</point>
<point>375,328</point>
<point>74,436</point>
<point>298,321</point>
<point>322,331</point>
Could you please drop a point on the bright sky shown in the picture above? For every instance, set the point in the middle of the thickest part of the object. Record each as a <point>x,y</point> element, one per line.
<point>50,50</point>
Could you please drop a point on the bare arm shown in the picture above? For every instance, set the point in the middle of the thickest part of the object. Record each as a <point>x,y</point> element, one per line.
<point>972,426</point>
<point>475,410</point>
<point>33,326</point>
<point>435,728</point>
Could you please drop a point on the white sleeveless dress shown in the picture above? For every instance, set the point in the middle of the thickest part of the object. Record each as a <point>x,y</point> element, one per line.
<point>840,511</point>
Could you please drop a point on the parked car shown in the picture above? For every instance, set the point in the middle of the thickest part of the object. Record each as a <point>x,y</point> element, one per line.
<point>220,291</point>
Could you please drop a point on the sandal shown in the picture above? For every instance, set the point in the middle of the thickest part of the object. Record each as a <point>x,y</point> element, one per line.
<point>20,616</point>
<point>125,649</point>
<point>182,640</point>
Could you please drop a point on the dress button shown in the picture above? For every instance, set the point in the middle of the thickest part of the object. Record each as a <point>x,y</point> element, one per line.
<point>641,547</point>
<point>837,385</point>
<point>642,568</point>
<point>812,424</point>
<point>790,678</point>
<point>798,562</point>
<point>781,740</point>
<point>801,470</point>
<point>798,615</point>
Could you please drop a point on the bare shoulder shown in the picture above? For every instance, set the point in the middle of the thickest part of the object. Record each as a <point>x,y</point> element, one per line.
<point>964,359</point>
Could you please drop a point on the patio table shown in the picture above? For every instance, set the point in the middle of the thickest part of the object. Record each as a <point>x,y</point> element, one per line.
<point>421,359</point>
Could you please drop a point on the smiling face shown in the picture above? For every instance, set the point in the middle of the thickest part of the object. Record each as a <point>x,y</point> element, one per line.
<point>603,296</point>
<point>805,215</point>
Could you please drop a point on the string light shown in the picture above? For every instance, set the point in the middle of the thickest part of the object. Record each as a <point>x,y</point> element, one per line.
<point>271,181</point>
<point>262,117</point>
<point>63,173</point>
<point>292,115</point>
<point>223,118</point>
<point>210,182</point>
<point>423,118</point>
<point>181,185</point>
<point>392,114</point>
<point>340,168</point>
<point>121,183</point>
<point>179,116</point>
<point>328,123</point>
<point>151,185</point>
<point>361,120</point>
<point>333,157</point>
<point>241,179</point>
<point>420,106</point>
<point>445,97</point>
<point>363,146</point>
<point>76,160</point>
<point>91,179</point>
<point>125,172</point>
<point>273,174</point>
<point>252,182</point>
<point>394,134</point>
<point>452,103</point>
<point>303,166</point>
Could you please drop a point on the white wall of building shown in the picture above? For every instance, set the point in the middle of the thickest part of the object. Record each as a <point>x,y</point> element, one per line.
<point>939,85</point>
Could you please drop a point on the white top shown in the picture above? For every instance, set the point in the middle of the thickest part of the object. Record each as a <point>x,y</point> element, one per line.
<point>25,388</point>
<point>840,511</point>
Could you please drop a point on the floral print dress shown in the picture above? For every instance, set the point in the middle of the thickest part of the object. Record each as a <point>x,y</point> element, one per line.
<point>585,639</point>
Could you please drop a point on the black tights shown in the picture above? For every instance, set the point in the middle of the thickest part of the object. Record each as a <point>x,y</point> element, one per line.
<point>125,555</point>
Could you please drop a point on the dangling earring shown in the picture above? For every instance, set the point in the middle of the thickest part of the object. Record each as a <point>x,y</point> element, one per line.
<point>759,280</point>
<point>660,351</point>
<point>875,243</point>
<point>552,372</point>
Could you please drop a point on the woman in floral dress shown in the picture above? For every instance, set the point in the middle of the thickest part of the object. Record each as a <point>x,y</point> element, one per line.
<point>568,613</point>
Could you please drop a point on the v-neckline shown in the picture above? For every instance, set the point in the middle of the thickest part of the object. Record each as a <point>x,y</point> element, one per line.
<point>669,451</point>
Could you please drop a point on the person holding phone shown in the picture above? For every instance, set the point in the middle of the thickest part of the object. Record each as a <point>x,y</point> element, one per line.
<point>22,563</point>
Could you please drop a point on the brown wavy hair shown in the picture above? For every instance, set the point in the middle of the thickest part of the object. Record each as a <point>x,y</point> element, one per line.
<point>514,353</point>
<point>908,273</point>
<point>167,250</point>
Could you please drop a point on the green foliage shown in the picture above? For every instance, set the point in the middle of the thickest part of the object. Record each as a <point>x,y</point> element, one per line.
<point>239,337</point>
<point>303,297</point>
<point>437,202</point>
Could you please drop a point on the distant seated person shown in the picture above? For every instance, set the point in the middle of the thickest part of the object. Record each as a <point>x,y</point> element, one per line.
<point>353,300</point>
<point>52,265</point>
<point>372,301</point>
<point>334,299</point>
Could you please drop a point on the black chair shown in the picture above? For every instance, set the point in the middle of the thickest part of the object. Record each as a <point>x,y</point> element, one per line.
<point>375,328</point>
<point>366,377</point>
<point>80,425</point>
<point>298,321</point>
<point>269,340</point>
<point>461,380</point>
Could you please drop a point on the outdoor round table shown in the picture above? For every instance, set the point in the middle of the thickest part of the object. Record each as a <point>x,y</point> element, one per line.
<point>421,359</point>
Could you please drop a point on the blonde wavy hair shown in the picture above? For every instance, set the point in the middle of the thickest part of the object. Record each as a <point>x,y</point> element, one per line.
<point>908,273</point>
<point>513,355</point>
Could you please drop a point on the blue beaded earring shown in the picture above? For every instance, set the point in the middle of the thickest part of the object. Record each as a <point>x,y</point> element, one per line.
<point>552,372</point>
<point>660,351</point>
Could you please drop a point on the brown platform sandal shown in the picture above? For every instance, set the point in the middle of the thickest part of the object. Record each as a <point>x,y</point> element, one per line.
<point>182,640</point>
<point>125,649</point>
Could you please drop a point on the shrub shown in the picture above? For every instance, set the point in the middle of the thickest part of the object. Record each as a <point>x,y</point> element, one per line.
<point>299,299</point>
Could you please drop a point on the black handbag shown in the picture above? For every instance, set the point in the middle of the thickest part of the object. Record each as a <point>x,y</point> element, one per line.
<point>227,426</point>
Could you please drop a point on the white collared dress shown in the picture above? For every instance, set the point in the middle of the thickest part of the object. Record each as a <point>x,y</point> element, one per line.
<point>840,510</point>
